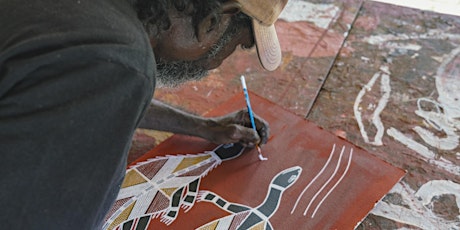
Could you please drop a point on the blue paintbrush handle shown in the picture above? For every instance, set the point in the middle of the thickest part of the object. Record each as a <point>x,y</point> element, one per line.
<point>248,103</point>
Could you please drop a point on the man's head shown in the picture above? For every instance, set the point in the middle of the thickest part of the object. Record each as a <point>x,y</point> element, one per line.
<point>190,37</point>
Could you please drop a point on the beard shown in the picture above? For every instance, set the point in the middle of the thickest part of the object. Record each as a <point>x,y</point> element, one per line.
<point>175,73</point>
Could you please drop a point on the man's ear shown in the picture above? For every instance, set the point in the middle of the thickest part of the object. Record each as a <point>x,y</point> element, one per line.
<point>209,23</point>
<point>205,26</point>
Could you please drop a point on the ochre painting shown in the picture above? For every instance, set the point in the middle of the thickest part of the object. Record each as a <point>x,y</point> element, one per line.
<point>311,180</point>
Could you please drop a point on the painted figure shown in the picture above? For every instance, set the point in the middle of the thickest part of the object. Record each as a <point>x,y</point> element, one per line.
<point>244,217</point>
<point>158,187</point>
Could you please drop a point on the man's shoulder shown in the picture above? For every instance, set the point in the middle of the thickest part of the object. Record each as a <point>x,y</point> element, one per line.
<point>48,32</point>
<point>26,19</point>
<point>110,27</point>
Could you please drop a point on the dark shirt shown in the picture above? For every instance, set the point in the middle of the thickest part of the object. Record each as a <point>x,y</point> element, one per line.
<point>75,79</point>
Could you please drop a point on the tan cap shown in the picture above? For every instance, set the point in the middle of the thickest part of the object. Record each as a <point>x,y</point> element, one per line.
<point>264,14</point>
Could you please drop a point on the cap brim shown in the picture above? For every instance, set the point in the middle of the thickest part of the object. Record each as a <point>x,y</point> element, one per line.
<point>268,46</point>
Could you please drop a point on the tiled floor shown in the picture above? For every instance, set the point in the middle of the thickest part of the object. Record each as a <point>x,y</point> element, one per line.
<point>385,77</point>
<point>394,91</point>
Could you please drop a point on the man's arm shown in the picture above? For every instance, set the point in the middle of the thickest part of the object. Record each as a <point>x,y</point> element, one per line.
<point>231,128</point>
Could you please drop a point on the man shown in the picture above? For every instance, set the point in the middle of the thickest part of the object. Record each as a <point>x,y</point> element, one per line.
<point>76,79</point>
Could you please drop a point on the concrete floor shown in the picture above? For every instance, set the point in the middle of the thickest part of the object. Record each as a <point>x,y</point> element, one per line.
<point>384,77</point>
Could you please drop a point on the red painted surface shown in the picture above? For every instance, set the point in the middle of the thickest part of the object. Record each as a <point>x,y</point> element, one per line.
<point>294,142</point>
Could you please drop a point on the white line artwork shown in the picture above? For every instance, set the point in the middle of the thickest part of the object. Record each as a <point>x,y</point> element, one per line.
<point>425,153</point>
<point>440,123</point>
<point>335,185</point>
<point>245,217</point>
<point>314,179</point>
<point>382,40</point>
<point>385,90</point>
<point>419,214</point>
<point>448,107</point>
<point>445,115</point>
<point>436,188</point>
<point>159,187</point>
<point>444,118</point>
<point>325,184</point>
<point>448,85</point>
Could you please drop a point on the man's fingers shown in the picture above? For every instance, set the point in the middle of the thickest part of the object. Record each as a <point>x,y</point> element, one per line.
<point>237,127</point>
<point>262,129</point>
<point>246,136</point>
<point>262,126</point>
<point>264,133</point>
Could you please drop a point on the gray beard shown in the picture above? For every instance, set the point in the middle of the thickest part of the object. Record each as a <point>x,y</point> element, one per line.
<point>175,73</point>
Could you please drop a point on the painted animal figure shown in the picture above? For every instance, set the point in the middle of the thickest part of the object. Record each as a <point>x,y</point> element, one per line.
<point>244,217</point>
<point>158,187</point>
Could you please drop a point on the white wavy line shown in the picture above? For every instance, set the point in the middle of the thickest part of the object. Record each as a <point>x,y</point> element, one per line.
<point>424,152</point>
<point>335,185</point>
<point>358,100</point>
<point>385,89</point>
<point>327,182</point>
<point>312,181</point>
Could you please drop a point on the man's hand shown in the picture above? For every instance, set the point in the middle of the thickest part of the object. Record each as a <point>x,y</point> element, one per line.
<point>231,128</point>
<point>236,127</point>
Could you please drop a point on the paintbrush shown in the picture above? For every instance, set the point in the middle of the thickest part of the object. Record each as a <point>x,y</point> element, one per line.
<point>251,115</point>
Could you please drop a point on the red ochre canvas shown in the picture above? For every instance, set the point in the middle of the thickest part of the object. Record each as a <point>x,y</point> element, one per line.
<point>311,180</point>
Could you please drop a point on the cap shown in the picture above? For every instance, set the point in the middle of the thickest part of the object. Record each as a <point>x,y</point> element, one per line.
<point>264,13</point>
